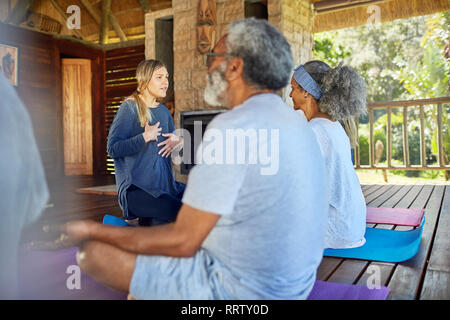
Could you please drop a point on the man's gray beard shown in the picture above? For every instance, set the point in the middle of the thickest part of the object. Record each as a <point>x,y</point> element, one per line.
<point>215,86</point>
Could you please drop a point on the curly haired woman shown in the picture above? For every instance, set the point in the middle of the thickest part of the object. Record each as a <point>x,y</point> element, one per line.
<point>327,97</point>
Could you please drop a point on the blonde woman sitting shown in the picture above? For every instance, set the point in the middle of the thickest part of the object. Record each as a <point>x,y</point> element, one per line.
<point>146,185</point>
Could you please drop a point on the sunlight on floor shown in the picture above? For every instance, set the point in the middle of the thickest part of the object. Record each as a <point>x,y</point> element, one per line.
<point>376,177</point>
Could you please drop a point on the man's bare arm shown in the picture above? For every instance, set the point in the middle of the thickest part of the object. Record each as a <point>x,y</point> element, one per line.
<point>179,239</point>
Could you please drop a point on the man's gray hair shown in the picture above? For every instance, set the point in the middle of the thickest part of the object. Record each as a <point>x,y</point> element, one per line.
<point>266,53</point>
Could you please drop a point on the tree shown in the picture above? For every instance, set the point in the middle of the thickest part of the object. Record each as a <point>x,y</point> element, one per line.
<point>372,50</point>
<point>400,60</point>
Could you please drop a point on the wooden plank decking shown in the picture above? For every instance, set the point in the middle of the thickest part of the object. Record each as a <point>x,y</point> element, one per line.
<point>425,276</point>
<point>67,204</point>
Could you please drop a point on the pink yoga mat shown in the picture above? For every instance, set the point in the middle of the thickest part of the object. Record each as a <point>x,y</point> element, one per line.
<point>397,216</point>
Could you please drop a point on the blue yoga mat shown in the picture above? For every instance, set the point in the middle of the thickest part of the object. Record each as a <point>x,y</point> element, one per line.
<point>383,245</point>
<point>115,221</point>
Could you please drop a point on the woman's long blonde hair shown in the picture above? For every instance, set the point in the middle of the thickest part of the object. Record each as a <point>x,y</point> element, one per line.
<point>144,73</point>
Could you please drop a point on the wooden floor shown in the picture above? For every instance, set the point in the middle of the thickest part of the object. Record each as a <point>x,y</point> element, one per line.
<point>67,204</point>
<point>426,276</point>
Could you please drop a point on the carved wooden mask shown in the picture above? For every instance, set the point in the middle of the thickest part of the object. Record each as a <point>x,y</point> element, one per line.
<point>206,25</point>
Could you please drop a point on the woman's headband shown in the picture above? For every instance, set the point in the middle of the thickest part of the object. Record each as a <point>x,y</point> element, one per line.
<point>304,79</point>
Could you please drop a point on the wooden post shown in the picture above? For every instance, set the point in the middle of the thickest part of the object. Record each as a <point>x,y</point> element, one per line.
<point>357,155</point>
<point>389,137</point>
<point>104,26</point>
<point>112,19</point>
<point>371,149</point>
<point>385,175</point>
<point>439,136</point>
<point>423,159</point>
<point>405,137</point>
<point>19,13</point>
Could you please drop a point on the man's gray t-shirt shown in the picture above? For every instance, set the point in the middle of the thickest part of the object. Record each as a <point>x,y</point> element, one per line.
<point>269,240</point>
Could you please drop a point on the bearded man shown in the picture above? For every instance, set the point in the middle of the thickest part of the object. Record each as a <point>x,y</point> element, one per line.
<point>240,233</point>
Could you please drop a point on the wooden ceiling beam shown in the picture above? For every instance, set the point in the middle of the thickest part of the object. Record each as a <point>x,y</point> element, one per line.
<point>162,4</point>
<point>104,26</point>
<point>92,11</point>
<point>112,19</point>
<point>145,6</point>
<point>129,43</point>
<point>116,26</point>
<point>64,16</point>
<point>132,32</point>
<point>19,13</point>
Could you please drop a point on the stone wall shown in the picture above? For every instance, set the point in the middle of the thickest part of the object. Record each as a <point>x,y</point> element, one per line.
<point>190,69</point>
<point>150,30</point>
<point>294,18</point>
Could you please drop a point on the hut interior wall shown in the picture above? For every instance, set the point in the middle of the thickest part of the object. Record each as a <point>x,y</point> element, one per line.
<point>120,82</point>
<point>39,88</point>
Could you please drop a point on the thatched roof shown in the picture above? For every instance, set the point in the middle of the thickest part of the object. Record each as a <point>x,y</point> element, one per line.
<point>356,13</point>
<point>127,14</point>
<point>127,22</point>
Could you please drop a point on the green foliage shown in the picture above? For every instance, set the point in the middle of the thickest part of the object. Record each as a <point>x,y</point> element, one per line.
<point>400,60</point>
<point>432,174</point>
<point>363,150</point>
<point>326,51</point>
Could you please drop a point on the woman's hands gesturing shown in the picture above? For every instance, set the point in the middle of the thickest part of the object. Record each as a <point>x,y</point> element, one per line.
<point>169,144</point>
<point>151,132</point>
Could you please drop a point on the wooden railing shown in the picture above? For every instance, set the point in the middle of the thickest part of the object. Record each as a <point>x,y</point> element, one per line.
<point>405,106</point>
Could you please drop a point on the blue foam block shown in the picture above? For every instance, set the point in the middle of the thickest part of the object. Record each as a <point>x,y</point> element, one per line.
<point>383,245</point>
<point>114,221</point>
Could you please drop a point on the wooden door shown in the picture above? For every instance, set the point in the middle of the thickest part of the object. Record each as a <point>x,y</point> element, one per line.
<point>77,116</point>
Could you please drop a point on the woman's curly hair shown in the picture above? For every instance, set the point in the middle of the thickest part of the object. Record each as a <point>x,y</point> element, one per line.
<point>344,90</point>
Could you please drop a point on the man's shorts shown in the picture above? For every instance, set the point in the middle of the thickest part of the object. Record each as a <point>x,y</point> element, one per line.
<point>160,277</point>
